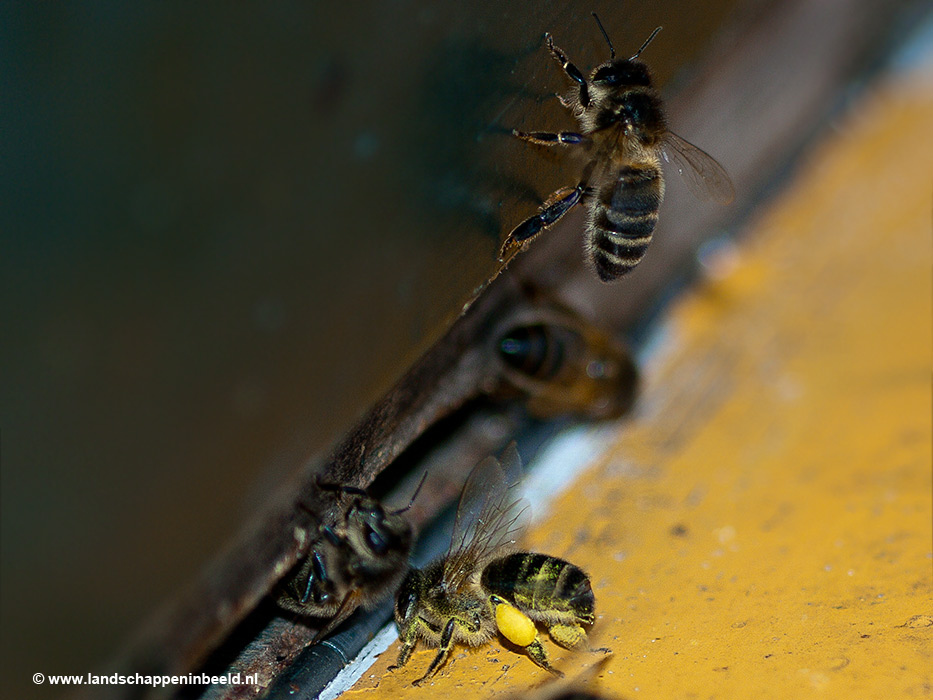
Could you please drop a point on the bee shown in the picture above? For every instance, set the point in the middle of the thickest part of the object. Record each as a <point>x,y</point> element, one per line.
<point>624,132</point>
<point>358,561</point>
<point>562,364</point>
<point>480,587</point>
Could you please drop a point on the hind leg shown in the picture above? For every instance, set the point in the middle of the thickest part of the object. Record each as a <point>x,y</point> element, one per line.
<point>518,628</point>
<point>550,138</point>
<point>538,654</point>
<point>572,636</point>
<point>558,204</point>
<point>446,643</point>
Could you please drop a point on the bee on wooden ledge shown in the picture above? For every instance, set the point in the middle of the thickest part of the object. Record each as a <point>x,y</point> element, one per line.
<point>358,561</point>
<point>483,586</point>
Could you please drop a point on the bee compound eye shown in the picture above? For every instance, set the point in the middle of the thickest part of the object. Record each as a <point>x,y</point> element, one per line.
<point>376,542</point>
<point>606,76</point>
<point>405,604</point>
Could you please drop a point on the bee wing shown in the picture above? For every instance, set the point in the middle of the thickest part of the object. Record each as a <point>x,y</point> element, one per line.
<point>705,178</point>
<point>490,516</point>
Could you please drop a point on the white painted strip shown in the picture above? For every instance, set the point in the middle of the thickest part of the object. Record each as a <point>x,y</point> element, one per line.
<point>561,461</point>
<point>916,53</point>
<point>351,673</point>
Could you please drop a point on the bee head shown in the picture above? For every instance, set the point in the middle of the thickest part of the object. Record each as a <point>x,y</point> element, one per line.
<point>622,71</point>
<point>374,531</point>
<point>619,72</point>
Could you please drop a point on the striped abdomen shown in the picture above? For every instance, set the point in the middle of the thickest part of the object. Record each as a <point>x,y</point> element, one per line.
<point>622,217</point>
<point>542,586</point>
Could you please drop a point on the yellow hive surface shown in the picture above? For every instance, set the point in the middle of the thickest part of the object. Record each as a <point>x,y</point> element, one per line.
<point>762,527</point>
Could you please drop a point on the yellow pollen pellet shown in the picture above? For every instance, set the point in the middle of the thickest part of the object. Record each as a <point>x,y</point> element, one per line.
<point>515,625</point>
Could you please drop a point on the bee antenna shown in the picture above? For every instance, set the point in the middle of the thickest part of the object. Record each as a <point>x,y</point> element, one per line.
<point>413,496</point>
<point>645,45</point>
<point>612,51</point>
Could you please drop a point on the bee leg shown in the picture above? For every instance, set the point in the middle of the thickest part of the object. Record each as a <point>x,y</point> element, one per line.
<point>404,654</point>
<point>331,536</point>
<point>554,208</point>
<point>318,583</point>
<point>547,138</point>
<point>538,654</point>
<point>571,70</point>
<point>447,637</point>
<point>558,204</point>
<point>409,639</point>
<point>573,637</point>
<point>343,612</point>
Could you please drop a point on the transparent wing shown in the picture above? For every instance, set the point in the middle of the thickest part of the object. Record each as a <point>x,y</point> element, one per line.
<point>490,516</point>
<point>705,178</point>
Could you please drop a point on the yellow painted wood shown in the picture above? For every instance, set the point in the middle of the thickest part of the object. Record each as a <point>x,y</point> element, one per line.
<point>763,527</point>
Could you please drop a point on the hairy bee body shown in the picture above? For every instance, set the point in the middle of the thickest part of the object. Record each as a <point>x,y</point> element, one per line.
<point>425,607</point>
<point>528,587</point>
<point>545,588</point>
<point>624,132</point>
<point>624,118</point>
<point>622,218</point>
<point>478,590</point>
<point>358,561</point>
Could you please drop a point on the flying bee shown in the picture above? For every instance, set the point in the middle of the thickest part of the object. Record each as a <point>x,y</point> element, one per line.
<point>480,587</point>
<point>562,364</point>
<point>624,132</point>
<point>358,561</point>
